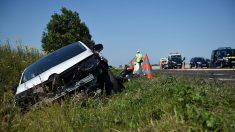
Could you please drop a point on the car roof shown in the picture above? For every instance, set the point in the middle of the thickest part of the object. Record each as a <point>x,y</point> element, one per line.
<point>198,57</point>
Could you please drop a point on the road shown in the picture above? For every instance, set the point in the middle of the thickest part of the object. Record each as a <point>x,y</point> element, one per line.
<point>226,75</point>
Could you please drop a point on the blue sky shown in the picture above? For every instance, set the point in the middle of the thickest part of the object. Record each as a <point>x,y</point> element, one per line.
<point>155,27</point>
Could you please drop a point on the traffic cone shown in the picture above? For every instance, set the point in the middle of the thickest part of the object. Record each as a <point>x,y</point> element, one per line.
<point>144,64</point>
<point>147,68</point>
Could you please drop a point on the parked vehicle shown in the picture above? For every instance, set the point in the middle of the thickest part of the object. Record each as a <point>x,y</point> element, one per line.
<point>198,62</point>
<point>223,57</point>
<point>209,62</point>
<point>163,63</point>
<point>175,61</point>
<point>70,68</point>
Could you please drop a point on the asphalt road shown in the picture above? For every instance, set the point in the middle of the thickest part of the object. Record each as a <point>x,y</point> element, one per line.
<point>225,75</point>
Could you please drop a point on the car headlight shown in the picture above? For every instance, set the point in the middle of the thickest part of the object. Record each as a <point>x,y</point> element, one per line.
<point>89,64</point>
<point>225,58</point>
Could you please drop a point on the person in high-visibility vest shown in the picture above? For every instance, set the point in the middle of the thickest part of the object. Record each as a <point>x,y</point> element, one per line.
<point>138,61</point>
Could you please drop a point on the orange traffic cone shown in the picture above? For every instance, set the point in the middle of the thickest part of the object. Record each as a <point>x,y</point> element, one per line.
<point>131,64</point>
<point>147,68</point>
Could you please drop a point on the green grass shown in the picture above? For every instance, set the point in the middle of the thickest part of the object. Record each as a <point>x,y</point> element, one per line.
<point>12,63</point>
<point>165,103</point>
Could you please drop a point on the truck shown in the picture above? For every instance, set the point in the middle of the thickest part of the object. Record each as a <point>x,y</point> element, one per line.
<point>175,61</point>
<point>223,57</point>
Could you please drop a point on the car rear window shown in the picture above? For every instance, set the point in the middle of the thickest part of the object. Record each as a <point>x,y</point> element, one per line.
<point>52,60</point>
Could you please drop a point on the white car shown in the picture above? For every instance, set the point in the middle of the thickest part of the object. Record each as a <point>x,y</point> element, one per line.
<point>72,67</point>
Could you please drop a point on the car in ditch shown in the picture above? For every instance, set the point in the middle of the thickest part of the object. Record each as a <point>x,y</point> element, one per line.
<point>74,67</point>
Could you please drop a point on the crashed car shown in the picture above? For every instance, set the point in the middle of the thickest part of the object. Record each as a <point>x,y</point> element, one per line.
<point>71,68</point>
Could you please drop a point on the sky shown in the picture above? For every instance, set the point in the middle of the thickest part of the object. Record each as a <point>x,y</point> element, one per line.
<point>156,27</point>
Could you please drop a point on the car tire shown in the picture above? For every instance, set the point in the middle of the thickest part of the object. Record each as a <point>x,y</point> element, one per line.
<point>117,86</point>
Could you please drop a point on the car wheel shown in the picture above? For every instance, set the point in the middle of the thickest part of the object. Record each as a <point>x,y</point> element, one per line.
<point>221,65</point>
<point>117,85</point>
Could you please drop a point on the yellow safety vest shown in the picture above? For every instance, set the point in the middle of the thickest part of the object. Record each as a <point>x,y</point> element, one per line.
<point>138,57</point>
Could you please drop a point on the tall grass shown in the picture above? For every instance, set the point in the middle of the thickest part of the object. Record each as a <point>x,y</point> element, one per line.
<point>13,60</point>
<point>166,103</point>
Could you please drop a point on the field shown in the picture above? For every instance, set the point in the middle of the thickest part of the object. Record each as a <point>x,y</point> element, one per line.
<point>165,103</point>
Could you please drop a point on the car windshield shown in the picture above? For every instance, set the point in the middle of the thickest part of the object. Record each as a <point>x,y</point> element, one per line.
<point>200,59</point>
<point>176,57</point>
<point>52,60</point>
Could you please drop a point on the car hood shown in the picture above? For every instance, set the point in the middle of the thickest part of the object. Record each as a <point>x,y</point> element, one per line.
<point>54,70</point>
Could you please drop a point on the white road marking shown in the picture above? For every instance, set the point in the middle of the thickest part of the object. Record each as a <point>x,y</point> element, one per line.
<point>218,74</point>
<point>226,79</point>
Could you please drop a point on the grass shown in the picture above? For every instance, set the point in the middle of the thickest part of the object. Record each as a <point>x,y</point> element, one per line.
<point>165,103</point>
<point>12,63</point>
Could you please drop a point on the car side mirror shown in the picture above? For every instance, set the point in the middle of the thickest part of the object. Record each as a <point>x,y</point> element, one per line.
<point>183,58</point>
<point>98,47</point>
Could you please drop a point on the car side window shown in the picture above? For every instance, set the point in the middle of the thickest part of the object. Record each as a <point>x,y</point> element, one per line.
<point>217,55</point>
<point>223,53</point>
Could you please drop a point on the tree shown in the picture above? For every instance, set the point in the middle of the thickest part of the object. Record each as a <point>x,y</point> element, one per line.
<point>64,29</point>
